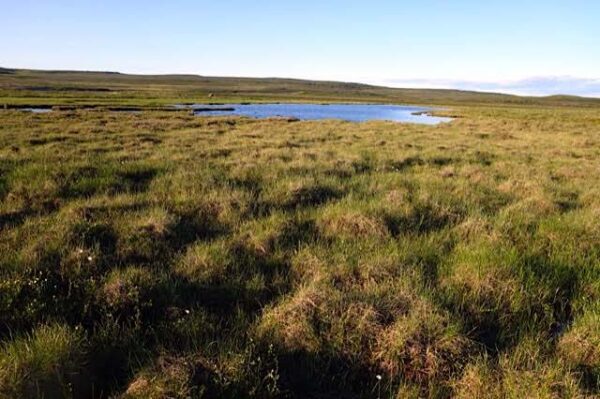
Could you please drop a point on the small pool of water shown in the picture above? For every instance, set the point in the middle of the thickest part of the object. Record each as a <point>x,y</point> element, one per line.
<point>37,110</point>
<point>347,112</point>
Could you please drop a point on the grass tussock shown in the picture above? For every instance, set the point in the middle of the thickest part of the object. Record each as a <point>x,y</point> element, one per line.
<point>50,362</point>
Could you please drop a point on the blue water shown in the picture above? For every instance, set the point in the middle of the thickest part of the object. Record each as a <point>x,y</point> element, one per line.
<point>37,110</point>
<point>347,112</point>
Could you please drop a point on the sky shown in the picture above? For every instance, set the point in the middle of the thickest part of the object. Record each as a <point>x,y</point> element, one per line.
<point>535,47</point>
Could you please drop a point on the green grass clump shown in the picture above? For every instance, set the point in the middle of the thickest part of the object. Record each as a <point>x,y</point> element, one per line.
<point>48,363</point>
<point>580,346</point>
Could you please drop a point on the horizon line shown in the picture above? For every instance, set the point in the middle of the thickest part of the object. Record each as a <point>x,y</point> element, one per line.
<point>524,87</point>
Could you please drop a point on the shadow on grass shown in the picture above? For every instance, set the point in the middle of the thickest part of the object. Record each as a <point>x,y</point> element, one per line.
<point>4,186</point>
<point>422,219</point>
<point>296,232</point>
<point>313,195</point>
<point>137,180</point>
<point>147,245</point>
<point>48,140</point>
<point>409,162</point>
<point>485,327</point>
<point>561,283</point>
<point>306,196</point>
<point>545,311</point>
<point>95,235</point>
<point>323,376</point>
<point>14,219</point>
<point>91,180</point>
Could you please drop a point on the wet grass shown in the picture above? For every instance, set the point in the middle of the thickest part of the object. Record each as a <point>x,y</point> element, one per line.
<point>165,255</point>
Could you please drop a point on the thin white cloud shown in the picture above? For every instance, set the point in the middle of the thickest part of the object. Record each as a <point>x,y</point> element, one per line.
<point>535,86</point>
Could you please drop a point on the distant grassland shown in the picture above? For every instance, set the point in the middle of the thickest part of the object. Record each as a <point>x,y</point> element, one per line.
<point>104,88</point>
<point>161,254</point>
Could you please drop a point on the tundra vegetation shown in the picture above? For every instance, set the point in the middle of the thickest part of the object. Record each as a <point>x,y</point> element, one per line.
<point>160,254</point>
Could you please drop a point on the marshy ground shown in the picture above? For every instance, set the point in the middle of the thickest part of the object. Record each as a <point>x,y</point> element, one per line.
<point>160,255</point>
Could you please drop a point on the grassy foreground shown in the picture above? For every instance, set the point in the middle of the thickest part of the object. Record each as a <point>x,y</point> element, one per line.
<point>161,255</point>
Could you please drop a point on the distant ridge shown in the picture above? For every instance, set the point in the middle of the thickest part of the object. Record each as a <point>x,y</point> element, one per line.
<point>159,88</point>
<point>73,71</point>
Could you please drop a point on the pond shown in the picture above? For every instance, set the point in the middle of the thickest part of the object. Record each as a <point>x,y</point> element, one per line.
<point>37,110</point>
<point>347,112</point>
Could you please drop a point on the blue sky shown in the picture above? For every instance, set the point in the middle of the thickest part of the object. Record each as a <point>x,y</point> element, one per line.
<point>526,46</point>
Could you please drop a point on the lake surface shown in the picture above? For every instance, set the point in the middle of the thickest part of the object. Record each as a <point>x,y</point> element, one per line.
<point>347,112</point>
<point>37,110</point>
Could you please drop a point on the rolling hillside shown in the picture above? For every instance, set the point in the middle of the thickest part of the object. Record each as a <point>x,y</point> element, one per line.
<point>75,87</point>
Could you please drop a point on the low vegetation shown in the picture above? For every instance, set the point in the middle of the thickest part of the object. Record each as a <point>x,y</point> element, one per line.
<point>22,88</point>
<point>159,254</point>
